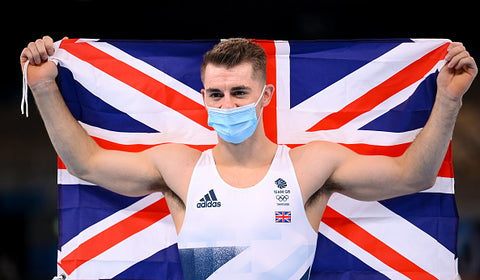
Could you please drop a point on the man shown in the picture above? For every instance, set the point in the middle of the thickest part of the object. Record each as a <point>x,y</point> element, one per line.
<point>242,174</point>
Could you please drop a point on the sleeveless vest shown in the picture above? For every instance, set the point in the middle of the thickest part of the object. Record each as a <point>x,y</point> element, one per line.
<point>260,232</point>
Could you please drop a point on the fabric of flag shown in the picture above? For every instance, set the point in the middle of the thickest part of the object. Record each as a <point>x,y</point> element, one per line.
<point>283,216</point>
<point>372,96</point>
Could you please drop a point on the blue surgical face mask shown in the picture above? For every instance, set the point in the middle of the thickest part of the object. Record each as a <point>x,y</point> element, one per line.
<point>234,125</point>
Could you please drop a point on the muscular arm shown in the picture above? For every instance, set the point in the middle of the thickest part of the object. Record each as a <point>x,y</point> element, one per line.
<point>126,173</point>
<point>379,177</point>
<point>131,174</point>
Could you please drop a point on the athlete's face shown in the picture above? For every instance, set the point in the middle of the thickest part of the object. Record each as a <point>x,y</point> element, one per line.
<point>237,86</point>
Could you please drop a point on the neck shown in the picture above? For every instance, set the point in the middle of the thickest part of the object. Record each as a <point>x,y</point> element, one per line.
<point>255,150</point>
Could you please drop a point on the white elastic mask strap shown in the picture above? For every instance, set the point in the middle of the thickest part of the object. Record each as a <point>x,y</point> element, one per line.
<point>24,103</point>
<point>261,95</point>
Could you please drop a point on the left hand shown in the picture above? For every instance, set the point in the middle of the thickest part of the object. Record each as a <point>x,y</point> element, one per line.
<point>457,75</point>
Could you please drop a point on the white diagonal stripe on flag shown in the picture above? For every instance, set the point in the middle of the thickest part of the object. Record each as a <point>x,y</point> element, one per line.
<point>361,254</point>
<point>386,228</point>
<point>300,118</point>
<point>131,101</point>
<point>150,71</point>
<point>130,251</point>
<point>102,225</point>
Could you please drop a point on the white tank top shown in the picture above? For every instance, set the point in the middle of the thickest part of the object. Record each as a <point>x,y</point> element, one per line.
<point>261,232</point>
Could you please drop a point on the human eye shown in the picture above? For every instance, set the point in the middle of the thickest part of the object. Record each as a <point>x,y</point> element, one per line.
<point>239,93</point>
<point>215,95</point>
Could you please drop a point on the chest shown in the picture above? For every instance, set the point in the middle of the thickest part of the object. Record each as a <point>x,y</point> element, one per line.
<point>249,232</point>
<point>224,215</point>
<point>242,176</point>
<point>269,200</point>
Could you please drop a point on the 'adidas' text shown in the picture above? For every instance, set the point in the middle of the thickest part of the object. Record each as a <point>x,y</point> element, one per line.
<point>209,200</point>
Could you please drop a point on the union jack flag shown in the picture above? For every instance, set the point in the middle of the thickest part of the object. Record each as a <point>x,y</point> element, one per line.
<point>372,96</point>
<point>283,216</point>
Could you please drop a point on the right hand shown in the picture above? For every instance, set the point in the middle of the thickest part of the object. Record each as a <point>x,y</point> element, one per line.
<point>40,70</point>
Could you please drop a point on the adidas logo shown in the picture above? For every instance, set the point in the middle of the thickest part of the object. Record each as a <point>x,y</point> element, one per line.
<point>209,200</point>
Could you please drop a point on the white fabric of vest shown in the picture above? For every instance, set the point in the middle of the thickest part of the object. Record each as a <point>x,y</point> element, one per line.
<point>233,233</point>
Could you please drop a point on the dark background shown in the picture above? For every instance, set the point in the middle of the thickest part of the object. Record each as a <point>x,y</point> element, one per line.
<point>28,162</point>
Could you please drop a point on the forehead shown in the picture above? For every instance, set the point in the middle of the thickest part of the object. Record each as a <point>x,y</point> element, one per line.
<point>219,75</point>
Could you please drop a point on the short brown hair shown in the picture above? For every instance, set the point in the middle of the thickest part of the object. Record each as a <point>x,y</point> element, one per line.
<point>234,51</point>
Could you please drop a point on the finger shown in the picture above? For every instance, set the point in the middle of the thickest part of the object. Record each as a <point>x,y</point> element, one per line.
<point>465,63</point>
<point>35,56</point>
<point>25,55</point>
<point>454,49</point>
<point>49,45</point>
<point>454,62</point>
<point>454,44</point>
<point>42,51</point>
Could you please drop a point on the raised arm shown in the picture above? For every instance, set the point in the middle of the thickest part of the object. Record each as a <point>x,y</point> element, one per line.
<point>131,174</point>
<point>379,177</point>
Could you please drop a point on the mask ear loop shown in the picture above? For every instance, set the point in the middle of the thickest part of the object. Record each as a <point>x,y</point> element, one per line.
<point>256,103</point>
<point>24,103</point>
<point>261,95</point>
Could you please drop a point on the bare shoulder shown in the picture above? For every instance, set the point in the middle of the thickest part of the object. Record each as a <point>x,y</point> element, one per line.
<point>314,164</point>
<point>318,151</point>
<point>179,150</point>
<point>172,155</point>
<point>176,163</point>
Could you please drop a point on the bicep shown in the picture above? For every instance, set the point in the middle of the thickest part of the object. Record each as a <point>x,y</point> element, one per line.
<point>336,168</point>
<point>369,177</point>
<point>127,173</point>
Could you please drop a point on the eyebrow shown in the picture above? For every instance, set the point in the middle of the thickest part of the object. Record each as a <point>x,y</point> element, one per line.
<point>237,88</point>
<point>240,88</point>
<point>212,90</point>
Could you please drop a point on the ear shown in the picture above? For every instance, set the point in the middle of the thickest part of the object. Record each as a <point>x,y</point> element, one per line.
<point>267,94</point>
